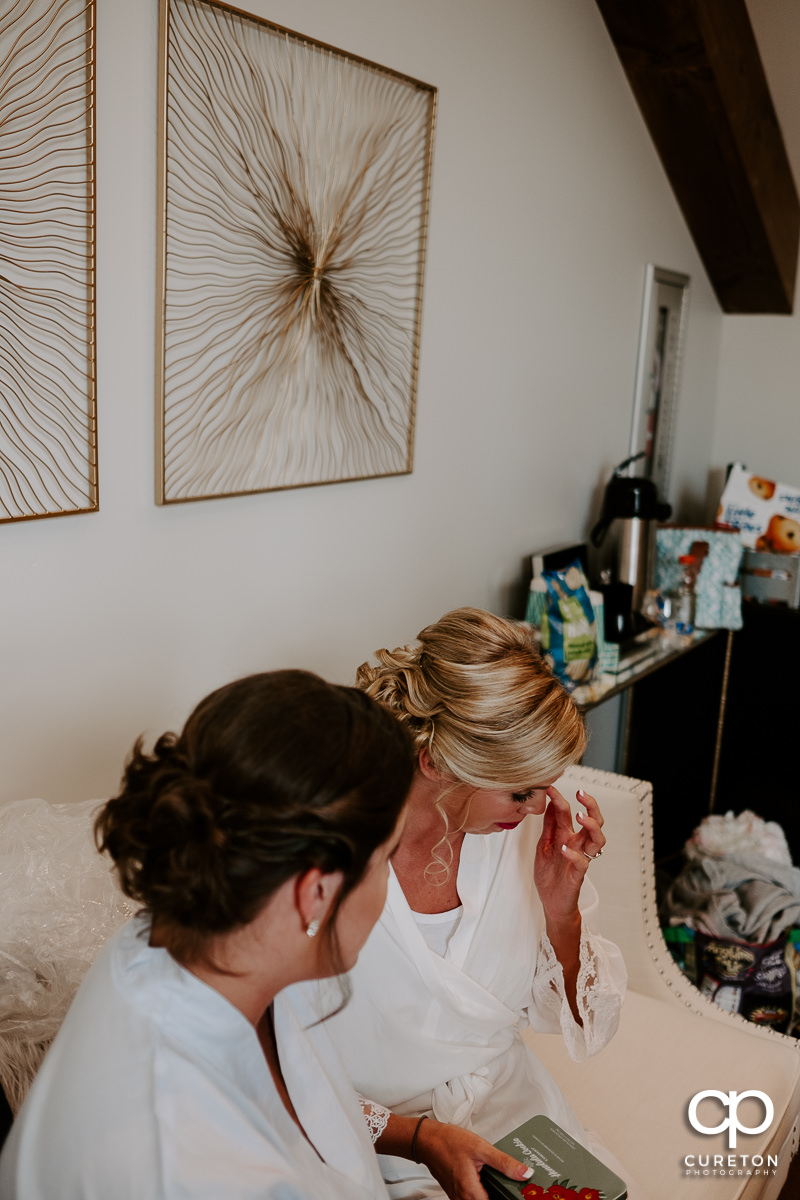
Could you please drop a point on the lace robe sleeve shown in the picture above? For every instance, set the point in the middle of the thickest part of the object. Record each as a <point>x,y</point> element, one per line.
<point>375,1115</point>
<point>600,991</point>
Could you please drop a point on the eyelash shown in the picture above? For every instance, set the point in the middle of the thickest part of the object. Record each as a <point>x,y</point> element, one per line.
<point>521,797</point>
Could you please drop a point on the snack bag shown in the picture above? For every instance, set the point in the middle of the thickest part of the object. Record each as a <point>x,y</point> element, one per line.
<point>569,633</point>
<point>752,980</point>
<point>767,514</point>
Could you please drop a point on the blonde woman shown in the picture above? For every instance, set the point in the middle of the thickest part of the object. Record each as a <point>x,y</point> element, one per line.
<point>488,924</point>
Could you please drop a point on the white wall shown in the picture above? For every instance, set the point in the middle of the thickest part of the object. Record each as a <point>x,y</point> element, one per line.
<point>758,411</point>
<point>548,202</point>
<point>758,419</point>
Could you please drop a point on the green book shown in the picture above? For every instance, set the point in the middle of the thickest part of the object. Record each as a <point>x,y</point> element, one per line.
<point>562,1168</point>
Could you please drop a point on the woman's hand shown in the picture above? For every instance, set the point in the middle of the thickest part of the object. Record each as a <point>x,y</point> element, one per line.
<point>561,856</point>
<point>454,1157</point>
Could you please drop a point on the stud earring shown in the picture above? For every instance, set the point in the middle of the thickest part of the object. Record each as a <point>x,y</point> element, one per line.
<point>313,927</point>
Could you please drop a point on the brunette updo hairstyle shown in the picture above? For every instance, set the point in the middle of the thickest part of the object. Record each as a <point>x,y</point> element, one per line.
<point>476,692</point>
<point>272,775</point>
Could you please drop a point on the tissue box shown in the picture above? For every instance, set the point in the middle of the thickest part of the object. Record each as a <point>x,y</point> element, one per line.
<point>719,598</point>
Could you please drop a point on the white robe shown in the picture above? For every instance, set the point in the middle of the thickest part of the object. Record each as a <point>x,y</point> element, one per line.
<point>441,1035</point>
<point>156,1087</point>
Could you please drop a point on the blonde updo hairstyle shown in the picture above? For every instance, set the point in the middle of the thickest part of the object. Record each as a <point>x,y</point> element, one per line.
<point>477,694</point>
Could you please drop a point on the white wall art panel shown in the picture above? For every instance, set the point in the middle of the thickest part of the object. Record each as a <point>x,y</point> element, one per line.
<point>48,459</point>
<point>295,183</point>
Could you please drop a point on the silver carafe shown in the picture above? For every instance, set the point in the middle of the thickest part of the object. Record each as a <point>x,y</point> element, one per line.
<point>626,535</point>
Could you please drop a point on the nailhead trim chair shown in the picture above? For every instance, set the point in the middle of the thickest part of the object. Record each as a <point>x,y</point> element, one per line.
<point>672,1042</point>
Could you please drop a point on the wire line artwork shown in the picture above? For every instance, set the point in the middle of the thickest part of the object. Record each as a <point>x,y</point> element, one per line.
<point>48,455</point>
<point>294,182</point>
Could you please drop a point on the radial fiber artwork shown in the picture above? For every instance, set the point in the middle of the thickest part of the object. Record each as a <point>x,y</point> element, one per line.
<point>295,184</point>
<point>48,464</point>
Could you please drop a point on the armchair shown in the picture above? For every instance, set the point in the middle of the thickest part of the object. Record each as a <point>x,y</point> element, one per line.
<point>672,1042</point>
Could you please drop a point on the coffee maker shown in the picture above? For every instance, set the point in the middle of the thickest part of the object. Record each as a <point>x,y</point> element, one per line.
<point>625,536</point>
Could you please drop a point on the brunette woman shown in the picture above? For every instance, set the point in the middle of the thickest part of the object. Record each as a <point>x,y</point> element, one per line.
<point>258,844</point>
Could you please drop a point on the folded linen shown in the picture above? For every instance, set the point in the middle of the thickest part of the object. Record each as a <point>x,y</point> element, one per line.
<point>746,897</point>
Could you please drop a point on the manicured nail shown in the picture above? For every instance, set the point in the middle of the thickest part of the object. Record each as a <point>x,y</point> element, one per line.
<point>579,816</point>
<point>528,1173</point>
<point>564,847</point>
<point>581,792</point>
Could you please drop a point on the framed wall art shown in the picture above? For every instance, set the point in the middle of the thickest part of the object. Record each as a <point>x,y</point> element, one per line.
<point>665,307</point>
<point>294,187</point>
<point>48,433</point>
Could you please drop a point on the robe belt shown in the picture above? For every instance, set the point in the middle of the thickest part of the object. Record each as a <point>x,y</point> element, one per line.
<point>456,1100</point>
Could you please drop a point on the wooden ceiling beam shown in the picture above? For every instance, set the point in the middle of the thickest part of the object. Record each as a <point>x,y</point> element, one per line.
<point>697,75</point>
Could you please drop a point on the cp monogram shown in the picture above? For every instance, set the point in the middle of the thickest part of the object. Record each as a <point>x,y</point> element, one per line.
<point>731,1100</point>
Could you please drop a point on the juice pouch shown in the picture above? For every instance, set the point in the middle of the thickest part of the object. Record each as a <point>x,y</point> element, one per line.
<point>569,633</point>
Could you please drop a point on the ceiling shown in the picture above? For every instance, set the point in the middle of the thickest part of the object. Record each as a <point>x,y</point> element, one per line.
<point>716,84</point>
<point>776,24</point>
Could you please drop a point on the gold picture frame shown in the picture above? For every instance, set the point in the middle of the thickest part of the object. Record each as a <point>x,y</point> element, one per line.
<point>48,419</point>
<point>294,184</point>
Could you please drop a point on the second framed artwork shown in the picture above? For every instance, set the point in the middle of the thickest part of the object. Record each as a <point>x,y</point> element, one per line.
<point>665,308</point>
<point>294,187</point>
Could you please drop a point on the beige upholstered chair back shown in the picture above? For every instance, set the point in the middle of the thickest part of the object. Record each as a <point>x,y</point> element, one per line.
<point>672,1042</point>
